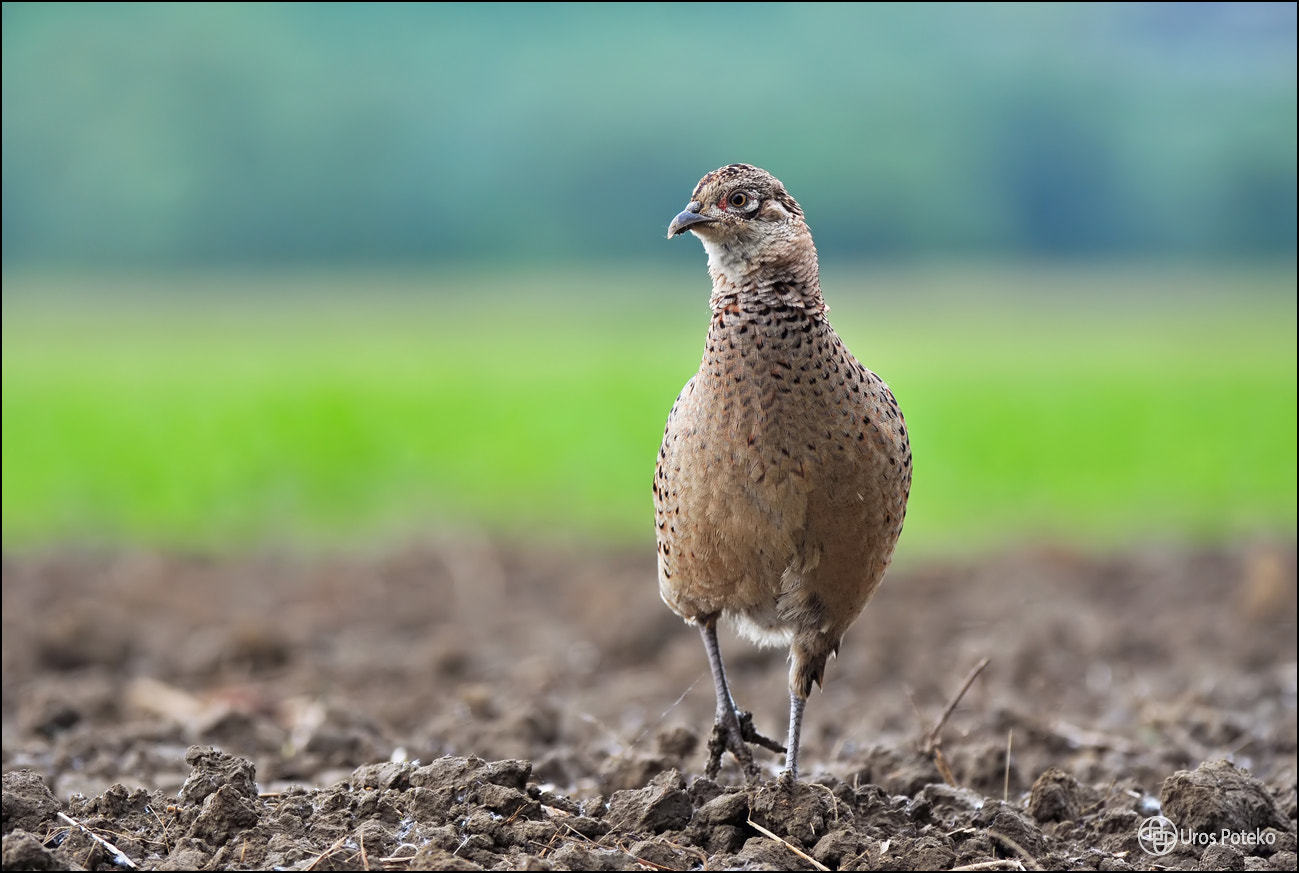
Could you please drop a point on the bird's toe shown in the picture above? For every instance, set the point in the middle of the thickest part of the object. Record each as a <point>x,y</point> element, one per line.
<point>729,738</point>
<point>751,735</point>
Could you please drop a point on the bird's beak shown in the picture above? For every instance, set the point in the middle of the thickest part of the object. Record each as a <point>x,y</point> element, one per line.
<point>688,219</point>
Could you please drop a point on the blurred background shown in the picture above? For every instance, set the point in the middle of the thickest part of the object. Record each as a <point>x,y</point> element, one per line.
<point>342,275</point>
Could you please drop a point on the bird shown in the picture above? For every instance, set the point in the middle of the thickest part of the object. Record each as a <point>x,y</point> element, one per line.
<point>782,480</point>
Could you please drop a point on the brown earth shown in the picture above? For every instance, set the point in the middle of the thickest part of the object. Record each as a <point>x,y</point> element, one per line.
<point>467,705</point>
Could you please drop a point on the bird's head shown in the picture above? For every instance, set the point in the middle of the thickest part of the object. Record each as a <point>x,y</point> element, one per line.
<point>745,219</point>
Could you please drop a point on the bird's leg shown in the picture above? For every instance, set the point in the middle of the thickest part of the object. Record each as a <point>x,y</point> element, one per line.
<point>807,658</point>
<point>732,730</point>
<point>727,733</point>
<point>796,704</point>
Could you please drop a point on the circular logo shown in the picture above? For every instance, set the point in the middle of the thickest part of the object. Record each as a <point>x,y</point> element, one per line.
<point>1157,835</point>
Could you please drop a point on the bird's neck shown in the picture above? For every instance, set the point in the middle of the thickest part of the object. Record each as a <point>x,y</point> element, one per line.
<point>765,273</point>
<point>766,283</point>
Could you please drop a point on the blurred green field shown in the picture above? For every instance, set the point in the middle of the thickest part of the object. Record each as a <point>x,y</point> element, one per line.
<point>1095,407</point>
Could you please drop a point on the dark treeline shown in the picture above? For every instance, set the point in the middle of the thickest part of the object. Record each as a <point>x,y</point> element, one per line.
<point>279,134</point>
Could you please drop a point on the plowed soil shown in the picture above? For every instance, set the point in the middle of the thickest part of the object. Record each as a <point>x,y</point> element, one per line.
<point>467,705</point>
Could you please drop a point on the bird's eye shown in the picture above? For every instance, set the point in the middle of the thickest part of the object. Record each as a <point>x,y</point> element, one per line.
<point>738,199</point>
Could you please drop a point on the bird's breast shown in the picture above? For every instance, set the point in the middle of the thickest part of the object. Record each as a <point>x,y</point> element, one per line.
<point>782,444</point>
<point>780,388</point>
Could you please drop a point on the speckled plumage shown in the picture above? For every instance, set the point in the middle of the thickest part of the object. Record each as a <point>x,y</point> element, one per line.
<point>784,472</point>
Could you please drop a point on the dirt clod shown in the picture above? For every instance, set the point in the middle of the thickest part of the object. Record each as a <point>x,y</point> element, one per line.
<point>28,803</point>
<point>661,806</point>
<point>23,851</point>
<point>1056,796</point>
<point>213,770</point>
<point>1218,797</point>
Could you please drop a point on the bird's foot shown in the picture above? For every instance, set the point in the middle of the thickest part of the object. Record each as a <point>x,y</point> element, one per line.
<point>734,732</point>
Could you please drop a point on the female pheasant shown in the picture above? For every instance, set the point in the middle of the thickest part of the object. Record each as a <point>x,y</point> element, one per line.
<point>785,468</point>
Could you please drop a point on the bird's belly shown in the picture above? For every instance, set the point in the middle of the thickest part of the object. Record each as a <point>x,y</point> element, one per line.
<point>779,516</point>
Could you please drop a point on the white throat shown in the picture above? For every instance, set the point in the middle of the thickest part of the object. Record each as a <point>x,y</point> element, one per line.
<point>731,262</point>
